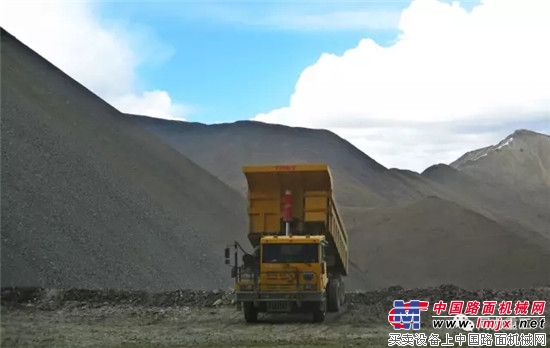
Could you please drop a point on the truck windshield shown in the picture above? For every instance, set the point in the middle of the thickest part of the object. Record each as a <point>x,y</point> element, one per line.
<point>290,253</point>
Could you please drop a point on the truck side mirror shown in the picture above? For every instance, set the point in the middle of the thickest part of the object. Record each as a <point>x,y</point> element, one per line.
<point>227,253</point>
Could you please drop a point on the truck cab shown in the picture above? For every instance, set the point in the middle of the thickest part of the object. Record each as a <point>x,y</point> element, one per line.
<point>300,244</point>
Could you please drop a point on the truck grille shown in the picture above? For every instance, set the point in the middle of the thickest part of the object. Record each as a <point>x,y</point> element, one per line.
<point>288,276</point>
<point>271,287</point>
<point>278,306</point>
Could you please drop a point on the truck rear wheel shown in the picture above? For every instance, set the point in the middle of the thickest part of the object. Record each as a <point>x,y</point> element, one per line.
<point>342,294</point>
<point>334,295</point>
<point>250,312</point>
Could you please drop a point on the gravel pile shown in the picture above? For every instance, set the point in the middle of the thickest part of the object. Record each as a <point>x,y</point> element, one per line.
<point>376,303</point>
<point>90,200</point>
<point>54,298</point>
<point>446,293</point>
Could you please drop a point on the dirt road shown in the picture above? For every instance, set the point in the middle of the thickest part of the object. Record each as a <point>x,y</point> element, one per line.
<point>116,326</point>
<point>200,319</point>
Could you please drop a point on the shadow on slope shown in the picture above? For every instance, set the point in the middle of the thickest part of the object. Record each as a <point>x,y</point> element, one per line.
<point>433,241</point>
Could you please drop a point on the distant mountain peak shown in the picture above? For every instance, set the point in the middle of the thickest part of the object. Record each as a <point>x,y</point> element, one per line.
<point>524,132</point>
<point>479,154</point>
<point>436,168</point>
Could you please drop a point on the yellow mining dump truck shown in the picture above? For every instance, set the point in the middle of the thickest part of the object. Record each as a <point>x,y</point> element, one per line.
<point>300,244</point>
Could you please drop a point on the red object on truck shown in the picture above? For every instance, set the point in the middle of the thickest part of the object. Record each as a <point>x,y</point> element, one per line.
<point>287,211</point>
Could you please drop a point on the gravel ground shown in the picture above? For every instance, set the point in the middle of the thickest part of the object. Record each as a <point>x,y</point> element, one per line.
<point>82,318</point>
<point>114,326</point>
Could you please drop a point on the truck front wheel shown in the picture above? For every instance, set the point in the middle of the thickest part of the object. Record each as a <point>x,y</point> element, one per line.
<point>250,312</point>
<point>334,295</point>
<point>319,314</point>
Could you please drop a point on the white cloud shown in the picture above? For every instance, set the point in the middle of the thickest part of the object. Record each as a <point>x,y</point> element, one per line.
<point>152,103</point>
<point>331,21</point>
<point>102,55</point>
<point>297,16</point>
<point>449,69</point>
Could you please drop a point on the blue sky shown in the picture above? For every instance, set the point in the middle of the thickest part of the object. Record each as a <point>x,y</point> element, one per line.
<point>410,83</point>
<point>234,68</point>
<point>233,60</point>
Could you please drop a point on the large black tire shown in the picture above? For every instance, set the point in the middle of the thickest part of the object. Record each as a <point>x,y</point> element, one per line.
<point>250,312</point>
<point>320,313</point>
<point>334,295</point>
<point>319,316</point>
<point>342,293</point>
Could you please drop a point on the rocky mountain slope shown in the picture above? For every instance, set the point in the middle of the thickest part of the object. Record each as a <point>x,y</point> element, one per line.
<point>388,208</point>
<point>522,158</point>
<point>509,181</point>
<point>513,189</point>
<point>433,241</point>
<point>89,199</point>
<point>223,149</point>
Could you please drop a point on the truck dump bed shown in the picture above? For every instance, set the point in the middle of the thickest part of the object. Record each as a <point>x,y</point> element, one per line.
<point>313,207</point>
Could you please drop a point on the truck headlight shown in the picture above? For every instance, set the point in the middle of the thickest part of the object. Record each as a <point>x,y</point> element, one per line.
<point>308,276</point>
